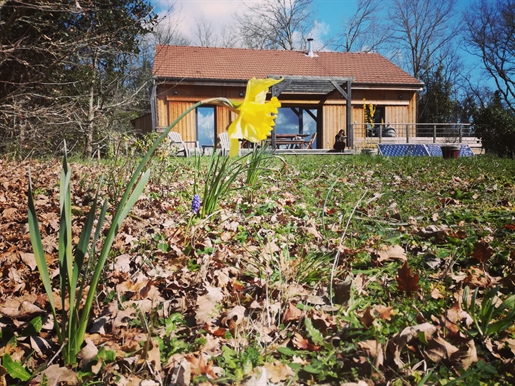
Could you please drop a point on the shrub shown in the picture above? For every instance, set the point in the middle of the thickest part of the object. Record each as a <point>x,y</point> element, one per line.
<point>495,125</point>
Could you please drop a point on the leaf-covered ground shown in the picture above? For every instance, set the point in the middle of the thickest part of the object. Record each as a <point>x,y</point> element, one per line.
<point>330,270</point>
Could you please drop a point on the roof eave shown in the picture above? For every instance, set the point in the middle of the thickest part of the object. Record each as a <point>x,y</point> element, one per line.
<point>200,81</point>
<point>243,82</point>
<point>390,86</point>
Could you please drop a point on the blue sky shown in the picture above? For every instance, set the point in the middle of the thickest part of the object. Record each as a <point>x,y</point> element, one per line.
<point>330,13</point>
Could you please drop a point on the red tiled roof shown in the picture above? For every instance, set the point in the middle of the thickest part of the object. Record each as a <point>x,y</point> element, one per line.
<point>242,64</point>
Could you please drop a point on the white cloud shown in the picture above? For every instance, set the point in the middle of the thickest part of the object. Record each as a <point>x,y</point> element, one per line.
<point>219,14</point>
<point>185,13</point>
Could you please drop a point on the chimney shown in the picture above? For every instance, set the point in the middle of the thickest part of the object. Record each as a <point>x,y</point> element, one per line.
<point>310,53</point>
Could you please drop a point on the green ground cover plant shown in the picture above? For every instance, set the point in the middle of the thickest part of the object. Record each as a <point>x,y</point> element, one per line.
<point>334,270</point>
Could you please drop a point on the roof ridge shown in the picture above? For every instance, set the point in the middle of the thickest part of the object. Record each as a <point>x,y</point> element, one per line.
<point>229,48</point>
<point>267,50</point>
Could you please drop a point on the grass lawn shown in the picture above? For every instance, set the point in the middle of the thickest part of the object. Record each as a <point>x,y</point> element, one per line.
<point>347,270</point>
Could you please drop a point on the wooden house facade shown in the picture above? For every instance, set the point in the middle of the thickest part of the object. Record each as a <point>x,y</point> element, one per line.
<point>322,91</point>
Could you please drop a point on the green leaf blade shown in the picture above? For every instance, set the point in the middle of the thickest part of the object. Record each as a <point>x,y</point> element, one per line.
<point>15,369</point>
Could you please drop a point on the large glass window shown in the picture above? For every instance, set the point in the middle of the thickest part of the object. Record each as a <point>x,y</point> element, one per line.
<point>206,125</point>
<point>287,122</point>
<point>296,120</point>
<point>310,124</point>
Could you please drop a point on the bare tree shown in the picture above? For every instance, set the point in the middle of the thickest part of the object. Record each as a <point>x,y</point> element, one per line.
<point>490,34</point>
<point>276,24</point>
<point>229,36</point>
<point>363,31</point>
<point>167,33</point>
<point>420,28</point>
<point>204,35</point>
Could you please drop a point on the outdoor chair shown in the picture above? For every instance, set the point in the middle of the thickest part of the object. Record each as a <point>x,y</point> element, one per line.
<point>183,147</point>
<point>309,144</point>
<point>224,143</point>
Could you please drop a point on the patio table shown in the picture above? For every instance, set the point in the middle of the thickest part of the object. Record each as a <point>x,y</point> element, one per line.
<point>289,140</point>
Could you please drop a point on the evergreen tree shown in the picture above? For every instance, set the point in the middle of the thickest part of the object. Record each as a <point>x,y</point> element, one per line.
<point>495,125</point>
<point>436,103</point>
<point>69,69</point>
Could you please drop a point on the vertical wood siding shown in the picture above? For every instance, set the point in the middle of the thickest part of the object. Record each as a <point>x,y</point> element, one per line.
<point>396,114</point>
<point>223,119</point>
<point>142,125</point>
<point>187,127</point>
<point>333,121</point>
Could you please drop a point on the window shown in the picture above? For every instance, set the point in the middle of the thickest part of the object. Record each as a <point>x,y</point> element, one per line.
<point>206,125</point>
<point>310,124</point>
<point>293,120</point>
<point>379,117</point>
<point>287,122</point>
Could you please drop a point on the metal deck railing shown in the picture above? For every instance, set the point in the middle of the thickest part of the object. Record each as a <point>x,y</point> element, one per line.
<point>362,135</point>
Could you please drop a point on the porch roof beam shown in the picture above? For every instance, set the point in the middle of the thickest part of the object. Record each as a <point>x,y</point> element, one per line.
<point>309,84</point>
<point>321,85</point>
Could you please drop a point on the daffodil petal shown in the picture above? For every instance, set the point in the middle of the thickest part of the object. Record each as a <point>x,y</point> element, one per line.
<point>256,117</point>
<point>258,88</point>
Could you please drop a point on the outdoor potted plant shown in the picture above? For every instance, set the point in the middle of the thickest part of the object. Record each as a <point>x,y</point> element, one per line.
<point>369,149</point>
<point>451,151</point>
<point>452,148</point>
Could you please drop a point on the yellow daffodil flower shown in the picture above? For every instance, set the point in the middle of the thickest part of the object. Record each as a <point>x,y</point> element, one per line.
<point>255,116</point>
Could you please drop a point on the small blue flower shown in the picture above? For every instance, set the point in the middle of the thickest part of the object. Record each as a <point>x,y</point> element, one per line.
<point>195,204</point>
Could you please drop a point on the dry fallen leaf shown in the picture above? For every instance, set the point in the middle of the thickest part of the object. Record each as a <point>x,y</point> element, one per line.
<point>3,373</point>
<point>367,317</point>
<point>304,344</point>
<point>201,366</point>
<point>384,312</point>
<point>58,375</point>
<point>466,356</point>
<point>20,309</point>
<point>436,294</point>
<point>292,314</point>
<point>391,253</point>
<point>234,317</point>
<point>87,353</point>
<point>455,317</point>
<point>342,290</point>
<point>400,340</point>
<point>259,378</point>
<point>153,355</point>
<point>278,372</point>
<point>374,349</point>
<point>482,251</point>
<point>406,281</point>
<point>180,370</point>
<point>207,305</point>
<point>438,349</point>
<point>29,259</point>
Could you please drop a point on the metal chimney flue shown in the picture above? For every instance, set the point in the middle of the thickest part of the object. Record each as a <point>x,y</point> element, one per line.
<point>310,53</point>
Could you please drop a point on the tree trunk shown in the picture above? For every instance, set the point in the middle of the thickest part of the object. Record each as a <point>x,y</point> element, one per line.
<point>90,127</point>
